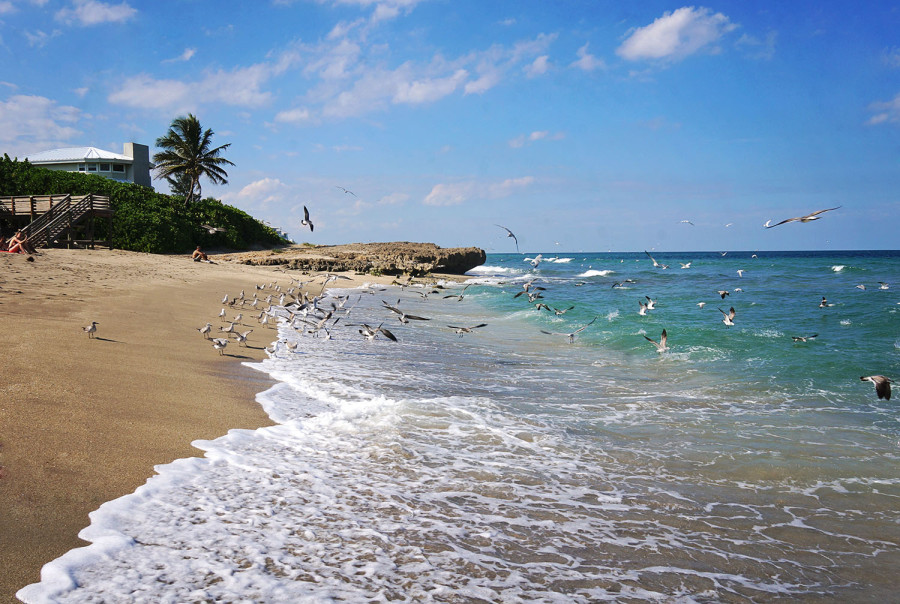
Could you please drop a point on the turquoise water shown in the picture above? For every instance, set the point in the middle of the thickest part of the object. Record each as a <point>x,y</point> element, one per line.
<point>510,465</point>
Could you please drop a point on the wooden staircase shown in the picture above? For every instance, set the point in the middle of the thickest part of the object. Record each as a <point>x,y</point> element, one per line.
<point>59,220</point>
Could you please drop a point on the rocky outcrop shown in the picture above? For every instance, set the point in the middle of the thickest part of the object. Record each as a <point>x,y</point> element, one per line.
<point>395,258</point>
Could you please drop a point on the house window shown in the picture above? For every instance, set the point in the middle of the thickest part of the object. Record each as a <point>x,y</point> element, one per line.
<point>81,167</point>
<point>118,168</point>
<point>104,167</point>
<point>92,167</point>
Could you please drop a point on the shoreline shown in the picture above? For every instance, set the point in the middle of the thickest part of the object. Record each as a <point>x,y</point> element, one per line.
<point>85,420</point>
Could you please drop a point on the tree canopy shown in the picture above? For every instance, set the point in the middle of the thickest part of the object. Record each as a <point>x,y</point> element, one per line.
<point>187,155</point>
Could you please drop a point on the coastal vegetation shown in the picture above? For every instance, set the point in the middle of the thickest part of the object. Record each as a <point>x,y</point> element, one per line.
<point>187,155</point>
<point>145,220</point>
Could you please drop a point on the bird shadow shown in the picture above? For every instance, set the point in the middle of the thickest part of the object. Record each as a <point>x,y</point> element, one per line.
<point>106,340</point>
<point>237,356</point>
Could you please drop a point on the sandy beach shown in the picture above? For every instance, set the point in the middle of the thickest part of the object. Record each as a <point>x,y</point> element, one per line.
<point>84,421</point>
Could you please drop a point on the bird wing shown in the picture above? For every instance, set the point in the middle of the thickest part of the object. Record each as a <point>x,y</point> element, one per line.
<point>769,226</point>
<point>417,318</point>
<point>663,338</point>
<point>387,334</point>
<point>305,214</point>
<point>816,213</point>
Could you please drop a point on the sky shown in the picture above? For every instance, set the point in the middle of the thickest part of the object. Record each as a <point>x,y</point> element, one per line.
<point>579,125</point>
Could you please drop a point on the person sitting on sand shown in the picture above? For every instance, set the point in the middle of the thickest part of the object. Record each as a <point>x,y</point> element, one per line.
<point>199,255</point>
<point>19,243</point>
<point>3,244</point>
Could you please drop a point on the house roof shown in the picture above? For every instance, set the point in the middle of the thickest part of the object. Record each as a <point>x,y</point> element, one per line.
<point>72,154</point>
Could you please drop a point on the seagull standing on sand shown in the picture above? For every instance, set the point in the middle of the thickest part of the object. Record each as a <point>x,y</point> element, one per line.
<point>661,345</point>
<point>807,218</point>
<point>205,330</point>
<point>91,329</point>
<point>510,234</point>
<point>728,317</point>
<point>882,385</point>
<point>306,221</point>
<point>220,344</point>
<point>242,337</point>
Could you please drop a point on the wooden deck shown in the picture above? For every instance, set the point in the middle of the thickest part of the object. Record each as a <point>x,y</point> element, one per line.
<point>57,220</point>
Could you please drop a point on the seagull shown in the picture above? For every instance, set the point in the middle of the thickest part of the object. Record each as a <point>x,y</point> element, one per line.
<point>740,272</point>
<point>212,230</point>
<point>655,263</point>
<point>804,338</point>
<point>401,315</point>
<point>222,314</point>
<point>346,191</point>
<point>537,260</point>
<point>883,285</point>
<point>242,337</point>
<point>560,311</point>
<point>685,265</point>
<point>688,222</point>
<point>861,286</point>
<point>91,329</point>
<point>459,296</point>
<point>723,293</point>
<point>370,332</point>
<point>238,318</point>
<point>728,317</point>
<point>807,218</point>
<point>651,304</point>
<point>461,331</point>
<point>306,221</point>
<point>643,309</point>
<point>220,344</point>
<point>824,303</point>
<point>882,385</point>
<point>661,345</point>
<point>205,330</point>
<point>225,299</point>
<point>229,329</point>
<point>701,304</point>
<point>510,234</point>
<point>570,336</point>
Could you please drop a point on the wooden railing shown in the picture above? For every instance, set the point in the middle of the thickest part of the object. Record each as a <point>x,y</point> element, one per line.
<point>55,215</point>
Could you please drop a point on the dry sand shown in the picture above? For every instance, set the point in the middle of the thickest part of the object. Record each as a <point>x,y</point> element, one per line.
<point>84,421</point>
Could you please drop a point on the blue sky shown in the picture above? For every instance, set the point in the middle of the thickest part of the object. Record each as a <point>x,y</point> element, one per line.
<point>580,125</point>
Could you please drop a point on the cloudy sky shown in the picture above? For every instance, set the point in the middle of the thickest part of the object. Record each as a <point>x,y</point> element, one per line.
<point>580,125</point>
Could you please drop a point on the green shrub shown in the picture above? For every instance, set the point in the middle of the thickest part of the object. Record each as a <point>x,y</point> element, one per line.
<point>144,221</point>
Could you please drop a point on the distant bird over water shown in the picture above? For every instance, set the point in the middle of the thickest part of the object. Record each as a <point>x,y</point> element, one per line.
<point>882,385</point>
<point>808,218</point>
<point>728,317</point>
<point>306,221</point>
<point>461,331</point>
<point>804,338</point>
<point>570,335</point>
<point>510,234</point>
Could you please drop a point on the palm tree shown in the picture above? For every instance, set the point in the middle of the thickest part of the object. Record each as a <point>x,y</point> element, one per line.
<point>187,155</point>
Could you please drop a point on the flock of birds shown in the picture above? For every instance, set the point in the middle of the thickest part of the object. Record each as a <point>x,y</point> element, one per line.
<point>318,315</point>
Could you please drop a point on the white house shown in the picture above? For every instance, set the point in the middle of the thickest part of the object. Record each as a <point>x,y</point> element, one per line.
<point>132,166</point>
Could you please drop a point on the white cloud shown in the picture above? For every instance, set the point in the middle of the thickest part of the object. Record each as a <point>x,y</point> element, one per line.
<point>676,35</point>
<point>7,7</point>
<point>92,12</point>
<point>457,193</point>
<point>29,124</point>
<point>588,62</point>
<point>81,92</point>
<point>756,48</point>
<point>537,135</point>
<point>297,115</point>
<point>187,55</point>
<point>241,87</point>
<point>393,199</point>
<point>260,193</point>
<point>892,57</point>
<point>886,112</point>
<point>428,89</point>
<point>538,67</point>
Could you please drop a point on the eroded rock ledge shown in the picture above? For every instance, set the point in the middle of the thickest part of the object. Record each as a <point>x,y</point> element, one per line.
<point>397,258</point>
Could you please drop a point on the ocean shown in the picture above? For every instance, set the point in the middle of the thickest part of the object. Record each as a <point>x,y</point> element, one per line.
<point>506,464</point>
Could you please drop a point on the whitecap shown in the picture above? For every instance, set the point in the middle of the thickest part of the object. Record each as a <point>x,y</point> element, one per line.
<point>596,273</point>
<point>845,322</point>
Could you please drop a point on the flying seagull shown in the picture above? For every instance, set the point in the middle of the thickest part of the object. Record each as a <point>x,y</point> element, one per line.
<point>370,332</point>
<point>464,330</point>
<point>212,230</point>
<point>804,338</point>
<point>688,222</point>
<point>728,317</point>
<point>655,263</point>
<point>306,221</point>
<point>91,329</point>
<point>510,234</point>
<point>807,218</point>
<point>346,190</point>
<point>571,335</point>
<point>401,315</point>
<point>882,385</point>
<point>661,345</point>
<point>458,296</point>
